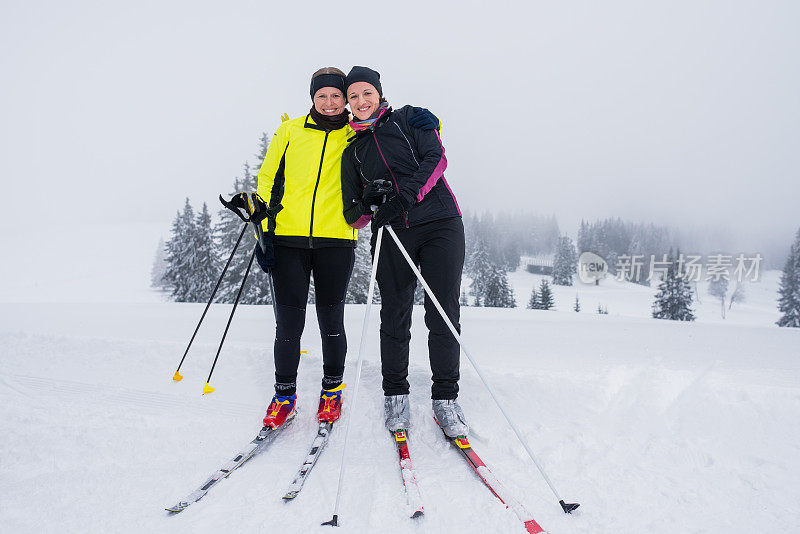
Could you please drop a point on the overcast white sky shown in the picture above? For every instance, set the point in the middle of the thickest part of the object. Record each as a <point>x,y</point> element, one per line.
<point>683,113</point>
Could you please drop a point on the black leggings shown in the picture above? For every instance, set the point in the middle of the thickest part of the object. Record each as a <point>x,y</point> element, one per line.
<point>438,249</point>
<point>293,267</point>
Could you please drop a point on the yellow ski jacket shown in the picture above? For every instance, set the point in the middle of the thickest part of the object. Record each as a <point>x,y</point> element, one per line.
<point>300,179</point>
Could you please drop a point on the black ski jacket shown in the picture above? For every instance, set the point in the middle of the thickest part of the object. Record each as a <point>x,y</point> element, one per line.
<point>412,158</point>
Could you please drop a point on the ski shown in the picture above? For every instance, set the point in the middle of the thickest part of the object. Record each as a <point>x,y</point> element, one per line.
<point>265,436</point>
<point>320,440</point>
<point>462,444</point>
<point>413,495</point>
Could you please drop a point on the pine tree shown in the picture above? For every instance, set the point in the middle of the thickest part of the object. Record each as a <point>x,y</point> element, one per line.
<point>546,300</point>
<point>480,268</point>
<point>533,302</point>
<point>577,306</point>
<point>464,300</point>
<point>719,288</point>
<point>362,269</point>
<point>206,268</point>
<point>159,268</point>
<point>226,232</point>
<point>565,264</point>
<point>180,256</point>
<point>263,145</point>
<point>674,298</point>
<point>789,290</point>
<point>497,292</point>
<point>419,294</point>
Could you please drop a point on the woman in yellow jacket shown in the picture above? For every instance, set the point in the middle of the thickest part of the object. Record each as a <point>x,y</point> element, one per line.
<point>300,180</point>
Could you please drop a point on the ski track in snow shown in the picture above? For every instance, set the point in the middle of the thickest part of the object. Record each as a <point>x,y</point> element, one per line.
<point>652,426</point>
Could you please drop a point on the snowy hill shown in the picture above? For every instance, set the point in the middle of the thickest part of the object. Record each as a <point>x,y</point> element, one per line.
<point>654,426</point>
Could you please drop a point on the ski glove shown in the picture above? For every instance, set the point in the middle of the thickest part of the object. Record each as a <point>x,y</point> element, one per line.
<point>394,207</point>
<point>374,192</point>
<point>423,118</point>
<point>266,258</point>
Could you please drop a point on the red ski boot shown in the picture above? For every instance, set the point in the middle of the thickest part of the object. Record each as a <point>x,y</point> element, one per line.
<point>280,410</point>
<point>330,404</point>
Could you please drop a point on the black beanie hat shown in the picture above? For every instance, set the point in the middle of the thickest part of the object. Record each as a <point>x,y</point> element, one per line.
<point>364,74</point>
<point>327,77</point>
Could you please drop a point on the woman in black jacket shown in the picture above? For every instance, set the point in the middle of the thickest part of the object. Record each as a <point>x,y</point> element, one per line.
<point>388,157</point>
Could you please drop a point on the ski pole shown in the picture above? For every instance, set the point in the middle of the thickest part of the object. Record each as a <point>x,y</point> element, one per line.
<point>567,507</point>
<point>177,376</point>
<point>260,239</point>
<point>335,521</point>
<point>207,388</point>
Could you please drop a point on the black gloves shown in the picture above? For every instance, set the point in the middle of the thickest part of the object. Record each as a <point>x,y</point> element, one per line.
<point>394,207</point>
<point>266,259</point>
<point>374,192</point>
<point>423,118</point>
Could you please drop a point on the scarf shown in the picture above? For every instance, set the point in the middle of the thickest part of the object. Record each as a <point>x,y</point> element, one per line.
<point>358,126</point>
<point>330,122</point>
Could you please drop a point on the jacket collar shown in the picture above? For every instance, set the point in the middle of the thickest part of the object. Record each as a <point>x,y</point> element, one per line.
<point>311,124</point>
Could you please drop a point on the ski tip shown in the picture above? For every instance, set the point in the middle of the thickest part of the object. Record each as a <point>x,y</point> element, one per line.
<point>207,389</point>
<point>333,522</point>
<point>177,508</point>
<point>532,527</point>
<point>177,377</point>
<point>568,507</point>
<point>289,496</point>
<point>418,513</point>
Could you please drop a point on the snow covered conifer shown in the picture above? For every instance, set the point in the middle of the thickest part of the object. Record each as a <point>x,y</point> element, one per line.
<point>419,294</point>
<point>180,256</point>
<point>497,293</point>
<point>565,264</point>
<point>464,301</point>
<point>206,269</point>
<point>674,297</point>
<point>480,269</point>
<point>546,300</point>
<point>789,289</point>
<point>577,306</point>
<point>358,287</point>
<point>533,302</point>
<point>159,266</point>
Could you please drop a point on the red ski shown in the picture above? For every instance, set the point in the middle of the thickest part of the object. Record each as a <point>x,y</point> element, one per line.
<point>413,495</point>
<point>494,485</point>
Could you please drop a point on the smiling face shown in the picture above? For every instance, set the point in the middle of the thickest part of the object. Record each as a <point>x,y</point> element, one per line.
<point>363,99</point>
<point>329,101</point>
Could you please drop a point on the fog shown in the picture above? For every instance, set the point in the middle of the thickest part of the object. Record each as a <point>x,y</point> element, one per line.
<point>682,113</point>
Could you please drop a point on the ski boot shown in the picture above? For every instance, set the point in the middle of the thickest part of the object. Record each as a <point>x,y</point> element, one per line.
<point>450,417</point>
<point>280,410</point>
<point>330,404</point>
<point>396,412</point>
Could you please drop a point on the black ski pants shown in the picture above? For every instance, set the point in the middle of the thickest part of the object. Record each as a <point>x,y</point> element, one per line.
<point>438,249</point>
<point>331,267</point>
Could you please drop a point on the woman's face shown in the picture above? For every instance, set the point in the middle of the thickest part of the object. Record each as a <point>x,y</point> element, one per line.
<point>329,101</point>
<point>363,99</point>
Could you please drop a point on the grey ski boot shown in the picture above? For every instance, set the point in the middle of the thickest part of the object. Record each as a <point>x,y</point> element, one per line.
<point>396,412</point>
<point>450,417</point>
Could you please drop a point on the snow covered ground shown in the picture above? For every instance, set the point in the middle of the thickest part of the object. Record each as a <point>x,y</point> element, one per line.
<point>653,426</point>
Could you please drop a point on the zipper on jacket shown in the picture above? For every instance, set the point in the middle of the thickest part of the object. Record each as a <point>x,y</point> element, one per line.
<point>316,186</point>
<point>396,185</point>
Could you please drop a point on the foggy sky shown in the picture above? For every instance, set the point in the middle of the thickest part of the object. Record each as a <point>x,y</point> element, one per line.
<point>680,113</point>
